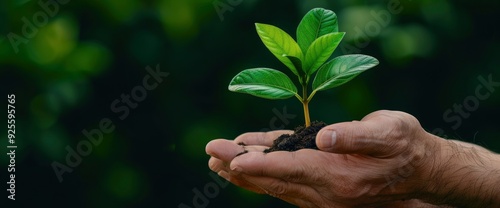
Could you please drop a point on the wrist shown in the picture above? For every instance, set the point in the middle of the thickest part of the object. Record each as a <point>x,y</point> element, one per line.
<point>464,175</point>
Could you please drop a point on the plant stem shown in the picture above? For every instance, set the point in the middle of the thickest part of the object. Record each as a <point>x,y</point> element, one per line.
<point>306,113</point>
<point>305,103</point>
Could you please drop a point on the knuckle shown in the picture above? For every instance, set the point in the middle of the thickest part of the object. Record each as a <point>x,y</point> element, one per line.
<point>242,137</point>
<point>277,188</point>
<point>214,164</point>
<point>349,191</point>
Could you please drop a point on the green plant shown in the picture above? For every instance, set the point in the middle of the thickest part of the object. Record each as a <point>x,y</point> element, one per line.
<point>317,38</point>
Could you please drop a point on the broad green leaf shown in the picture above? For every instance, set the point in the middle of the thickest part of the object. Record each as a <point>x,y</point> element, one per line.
<point>316,23</point>
<point>296,62</point>
<point>280,44</point>
<point>298,65</point>
<point>264,83</point>
<point>320,50</point>
<point>341,70</point>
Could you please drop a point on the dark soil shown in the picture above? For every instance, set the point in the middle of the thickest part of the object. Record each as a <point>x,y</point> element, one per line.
<point>302,138</point>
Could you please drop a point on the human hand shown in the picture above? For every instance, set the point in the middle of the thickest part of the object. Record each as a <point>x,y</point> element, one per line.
<point>377,161</point>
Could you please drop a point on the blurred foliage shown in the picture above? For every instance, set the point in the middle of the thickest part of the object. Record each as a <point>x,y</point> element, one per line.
<point>74,61</point>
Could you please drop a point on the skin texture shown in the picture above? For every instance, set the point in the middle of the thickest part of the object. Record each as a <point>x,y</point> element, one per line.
<point>384,160</point>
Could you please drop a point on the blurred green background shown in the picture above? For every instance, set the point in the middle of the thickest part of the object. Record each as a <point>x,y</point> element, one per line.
<point>86,54</point>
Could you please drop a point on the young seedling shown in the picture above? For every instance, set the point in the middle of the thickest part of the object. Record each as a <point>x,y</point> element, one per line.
<point>317,38</point>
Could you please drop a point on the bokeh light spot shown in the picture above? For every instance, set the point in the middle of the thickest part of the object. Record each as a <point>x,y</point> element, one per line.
<point>178,19</point>
<point>123,182</point>
<point>53,41</point>
<point>407,42</point>
<point>52,143</point>
<point>88,58</point>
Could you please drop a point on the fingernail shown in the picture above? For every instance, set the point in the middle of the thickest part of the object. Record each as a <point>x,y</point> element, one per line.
<point>223,174</point>
<point>236,169</point>
<point>328,139</point>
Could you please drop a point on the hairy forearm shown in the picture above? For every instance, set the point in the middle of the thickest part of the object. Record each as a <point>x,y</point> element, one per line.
<point>465,175</point>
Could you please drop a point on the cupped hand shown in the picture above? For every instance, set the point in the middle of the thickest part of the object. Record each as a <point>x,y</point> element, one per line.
<point>381,161</point>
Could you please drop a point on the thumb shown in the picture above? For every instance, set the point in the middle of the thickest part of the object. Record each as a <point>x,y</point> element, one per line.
<point>357,137</point>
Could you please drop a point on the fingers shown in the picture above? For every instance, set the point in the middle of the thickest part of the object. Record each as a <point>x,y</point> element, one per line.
<point>370,137</point>
<point>222,169</point>
<point>290,192</point>
<point>289,166</point>
<point>261,138</point>
<point>298,194</point>
<point>415,203</point>
<point>224,150</point>
<point>241,182</point>
<point>348,137</point>
<point>217,165</point>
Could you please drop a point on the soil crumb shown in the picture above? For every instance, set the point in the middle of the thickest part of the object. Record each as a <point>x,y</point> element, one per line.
<point>302,138</point>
